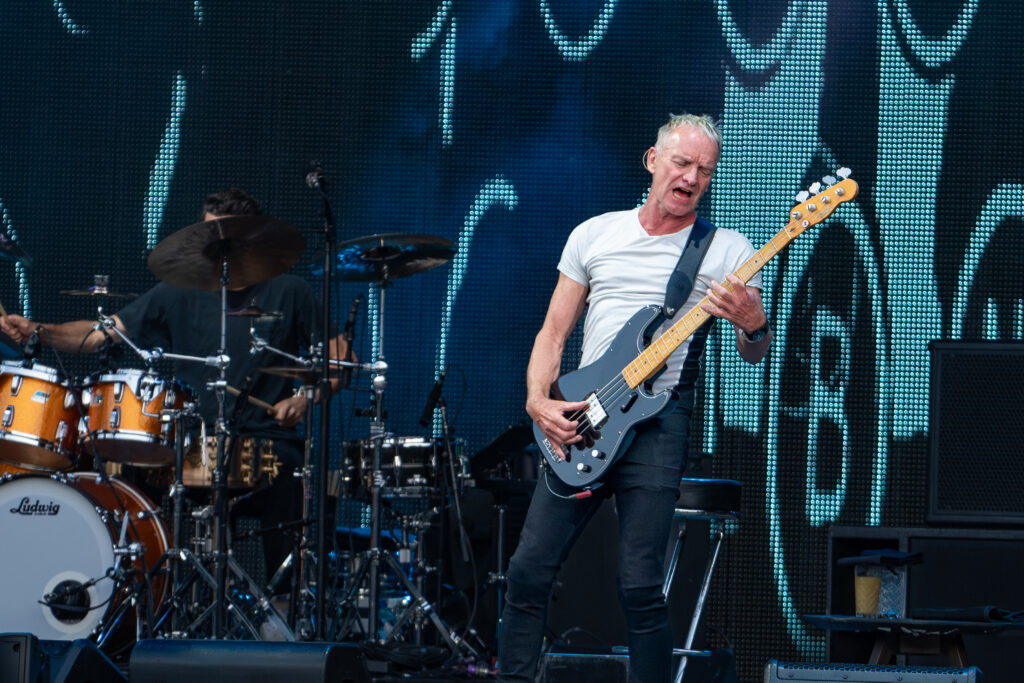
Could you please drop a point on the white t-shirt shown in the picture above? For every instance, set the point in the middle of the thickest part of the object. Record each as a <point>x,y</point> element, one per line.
<point>626,269</point>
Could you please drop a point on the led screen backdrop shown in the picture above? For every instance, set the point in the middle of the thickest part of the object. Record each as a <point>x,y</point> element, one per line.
<point>499,125</point>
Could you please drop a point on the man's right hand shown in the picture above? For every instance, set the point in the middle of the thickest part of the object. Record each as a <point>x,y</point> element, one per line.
<point>17,327</point>
<point>549,415</point>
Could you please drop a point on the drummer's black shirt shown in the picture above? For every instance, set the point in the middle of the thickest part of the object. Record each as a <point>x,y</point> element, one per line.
<point>188,322</point>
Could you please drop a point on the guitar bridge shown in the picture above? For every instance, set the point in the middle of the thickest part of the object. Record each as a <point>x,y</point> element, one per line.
<point>596,414</point>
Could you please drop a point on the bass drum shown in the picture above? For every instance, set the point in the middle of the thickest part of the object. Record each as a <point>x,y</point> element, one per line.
<point>60,537</point>
<point>119,500</point>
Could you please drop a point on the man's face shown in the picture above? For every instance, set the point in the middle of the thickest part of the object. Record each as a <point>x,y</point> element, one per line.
<point>681,171</point>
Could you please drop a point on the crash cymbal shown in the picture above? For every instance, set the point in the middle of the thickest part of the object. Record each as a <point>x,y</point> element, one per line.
<point>378,258</point>
<point>10,250</point>
<point>257,248</point>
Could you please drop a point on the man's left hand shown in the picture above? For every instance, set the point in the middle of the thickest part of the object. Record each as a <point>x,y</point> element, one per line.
<point>737,303</point>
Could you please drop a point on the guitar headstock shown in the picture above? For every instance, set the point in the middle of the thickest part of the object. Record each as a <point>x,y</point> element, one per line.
<point>813,210</point>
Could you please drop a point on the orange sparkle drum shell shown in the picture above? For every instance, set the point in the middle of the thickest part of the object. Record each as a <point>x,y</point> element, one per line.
<point>38,418</point>
<point>125,424</point>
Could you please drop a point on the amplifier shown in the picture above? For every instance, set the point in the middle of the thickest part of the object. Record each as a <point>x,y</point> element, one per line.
<point>782,672</point>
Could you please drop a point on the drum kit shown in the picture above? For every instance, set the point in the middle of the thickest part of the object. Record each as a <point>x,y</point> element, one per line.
<point>98,559</point>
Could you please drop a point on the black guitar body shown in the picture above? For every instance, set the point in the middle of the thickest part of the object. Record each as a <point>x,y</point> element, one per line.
<point>615,407</point>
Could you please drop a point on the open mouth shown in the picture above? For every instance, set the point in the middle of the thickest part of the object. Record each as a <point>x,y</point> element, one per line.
<point>680,193</point>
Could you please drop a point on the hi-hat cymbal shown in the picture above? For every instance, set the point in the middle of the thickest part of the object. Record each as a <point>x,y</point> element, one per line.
<point>97,290</point>
<point>378,258</point>
<point>257,248</point>
<point>299,372</point>
<point>255,312</point>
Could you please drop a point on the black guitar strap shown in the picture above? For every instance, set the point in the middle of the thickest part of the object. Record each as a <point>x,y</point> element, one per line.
<point>680,284</point>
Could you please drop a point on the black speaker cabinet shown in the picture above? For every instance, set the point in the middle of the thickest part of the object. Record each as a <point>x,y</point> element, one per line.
<point>26,659</point>
<point>788,672</point>
<point>246,661</point>
<point>976,429</point>
<point>20,658</point>
<point>563,665</point>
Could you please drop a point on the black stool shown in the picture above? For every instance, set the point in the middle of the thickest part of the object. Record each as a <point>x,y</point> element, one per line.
<point>716,500</point>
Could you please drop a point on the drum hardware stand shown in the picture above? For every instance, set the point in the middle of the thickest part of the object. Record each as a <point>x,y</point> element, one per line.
<point>202,546</point>
<point>499,579</point>
<point>374,555</point>
<point>303,561</point>
<point>220,488</point>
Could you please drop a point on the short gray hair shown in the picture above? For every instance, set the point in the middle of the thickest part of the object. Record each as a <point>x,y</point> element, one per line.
<point>703,123</point>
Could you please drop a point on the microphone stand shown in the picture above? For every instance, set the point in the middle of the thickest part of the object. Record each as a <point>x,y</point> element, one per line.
<point>330,242</point>
<point>446,436</point>
<point>220,478</point>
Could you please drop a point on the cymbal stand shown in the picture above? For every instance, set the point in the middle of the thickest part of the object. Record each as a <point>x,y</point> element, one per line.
<point>377,434</point>
<point>421,607</point>
<point>374,555</point>
<point>301,559</point>
<point>370,569</point>
<point>220,487</point>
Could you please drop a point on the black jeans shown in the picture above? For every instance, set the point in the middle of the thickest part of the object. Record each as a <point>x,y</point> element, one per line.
<point>645,483</point>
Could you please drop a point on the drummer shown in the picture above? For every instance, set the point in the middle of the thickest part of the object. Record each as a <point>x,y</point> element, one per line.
<point>187,321</point>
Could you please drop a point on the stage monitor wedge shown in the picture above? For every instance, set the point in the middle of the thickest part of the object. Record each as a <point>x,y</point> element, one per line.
<point>246,661</point>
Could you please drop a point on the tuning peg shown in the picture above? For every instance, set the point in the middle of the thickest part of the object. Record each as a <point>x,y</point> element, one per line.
<point>814,188</point>
<point>802,196</point>
<point>844,173</point>
<point>829,180</point>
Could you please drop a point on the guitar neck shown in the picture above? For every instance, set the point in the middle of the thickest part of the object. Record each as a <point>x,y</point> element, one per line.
<point>654,357</point>
<point>803,216</point>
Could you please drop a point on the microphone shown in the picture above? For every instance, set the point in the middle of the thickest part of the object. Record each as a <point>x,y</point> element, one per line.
<point>350,324</point>
<point>435,395</point>
<point>315,176</point>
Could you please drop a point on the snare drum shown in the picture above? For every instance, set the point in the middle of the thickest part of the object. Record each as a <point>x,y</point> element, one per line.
<point>38,427</point>
<point>251,461</point>
<point>124,423</point>
<point>60,536</point>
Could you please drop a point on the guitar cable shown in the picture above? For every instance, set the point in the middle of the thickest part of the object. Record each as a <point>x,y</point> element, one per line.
<point>585,493</point>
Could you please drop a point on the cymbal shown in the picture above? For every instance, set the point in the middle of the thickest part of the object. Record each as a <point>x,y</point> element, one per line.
<point>307,375</point>
<point>257,248</point>
<point>10,250</point>
<point>299,372</point>
<point>378,258</point>
<point>256,312</point>
<point>97,290</point>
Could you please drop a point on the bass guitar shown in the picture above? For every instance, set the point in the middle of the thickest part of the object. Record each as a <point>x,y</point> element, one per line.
<point>613,385</point>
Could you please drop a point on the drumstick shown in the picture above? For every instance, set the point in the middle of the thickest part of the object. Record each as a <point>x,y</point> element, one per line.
<point>252,399</point>
<point>2,311</point>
